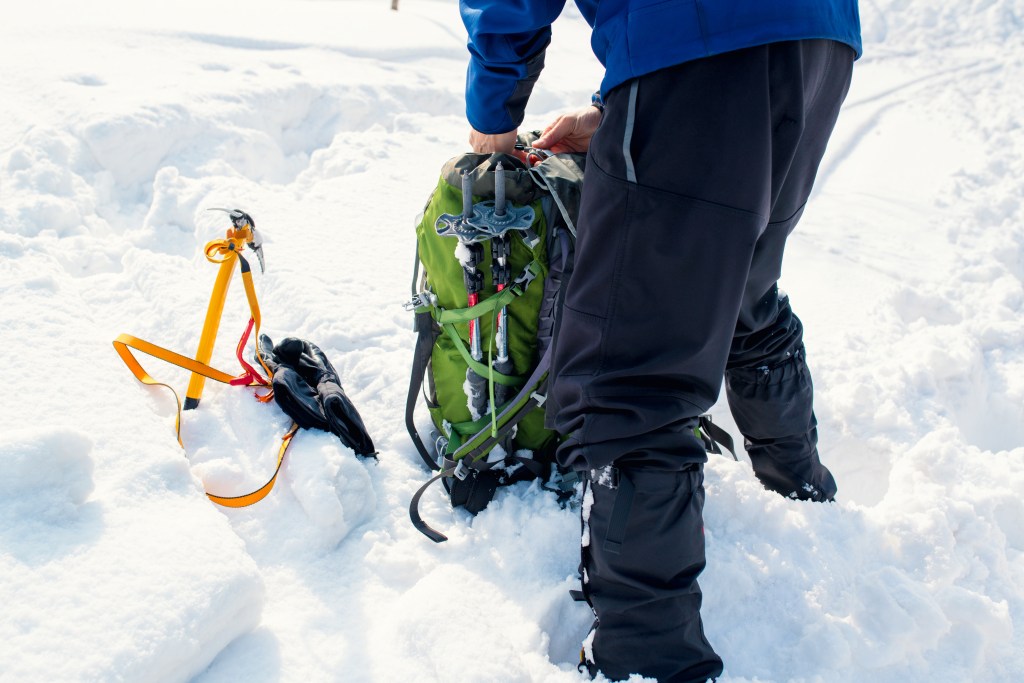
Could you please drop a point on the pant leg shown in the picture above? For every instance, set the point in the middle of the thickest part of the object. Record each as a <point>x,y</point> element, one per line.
<point>646,593</point>
<point>665,243</point>
<point>768,383</point>
<point>682,180</point>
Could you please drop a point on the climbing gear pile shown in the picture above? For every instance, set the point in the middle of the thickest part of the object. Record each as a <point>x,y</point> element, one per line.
<point>227,253</point>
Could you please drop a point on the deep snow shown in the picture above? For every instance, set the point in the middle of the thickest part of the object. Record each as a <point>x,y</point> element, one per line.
<point>328,122</point>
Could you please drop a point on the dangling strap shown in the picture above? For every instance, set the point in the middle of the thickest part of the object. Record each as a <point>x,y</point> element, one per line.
<point>716,436</point>
<point>260,493</point>
<point>414,508</point>
<point>125,342</point>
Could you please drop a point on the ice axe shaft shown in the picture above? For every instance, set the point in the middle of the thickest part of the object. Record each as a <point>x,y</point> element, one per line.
<point>208,336</point>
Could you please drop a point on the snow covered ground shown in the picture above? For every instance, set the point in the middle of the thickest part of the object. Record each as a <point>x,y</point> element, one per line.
<point>328,121</point>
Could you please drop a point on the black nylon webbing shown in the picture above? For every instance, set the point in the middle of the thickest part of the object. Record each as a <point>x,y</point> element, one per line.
<point>717,435</point>
<point>425,337</point>
<point>414,509</point>
<point>620,514</point>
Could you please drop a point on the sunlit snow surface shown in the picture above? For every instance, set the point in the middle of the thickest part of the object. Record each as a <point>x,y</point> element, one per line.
<point>328,121</point>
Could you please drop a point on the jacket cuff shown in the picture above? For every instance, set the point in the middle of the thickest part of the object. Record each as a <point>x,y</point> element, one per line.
<point>496,96</point>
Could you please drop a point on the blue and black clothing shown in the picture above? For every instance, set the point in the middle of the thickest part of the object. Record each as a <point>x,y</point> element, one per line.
<point>507,39</point>
<point>716,118</point>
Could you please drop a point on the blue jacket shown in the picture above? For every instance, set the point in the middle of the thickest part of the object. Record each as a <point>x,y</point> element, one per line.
<point>507,39</point>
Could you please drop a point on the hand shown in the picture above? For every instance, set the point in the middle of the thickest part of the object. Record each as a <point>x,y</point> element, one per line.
<point>484,143</point>
<point>570,132</point>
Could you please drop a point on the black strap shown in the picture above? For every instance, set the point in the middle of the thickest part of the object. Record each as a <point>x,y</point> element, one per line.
<point>620,514</point>
<point>426,334</point>
<point>414,509</point>
<point>531,464</point>
<point>717,436</point>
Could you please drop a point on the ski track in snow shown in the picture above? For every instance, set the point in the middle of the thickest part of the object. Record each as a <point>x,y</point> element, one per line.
<point>124,126</point>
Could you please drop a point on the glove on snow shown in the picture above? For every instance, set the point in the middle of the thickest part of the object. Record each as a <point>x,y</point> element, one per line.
<point>308,389</point>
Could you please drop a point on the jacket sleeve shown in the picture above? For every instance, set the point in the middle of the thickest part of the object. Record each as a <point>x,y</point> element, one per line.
<point>507,40</point>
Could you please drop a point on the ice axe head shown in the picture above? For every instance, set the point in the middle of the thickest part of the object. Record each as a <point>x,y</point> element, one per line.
<point>242,221</point>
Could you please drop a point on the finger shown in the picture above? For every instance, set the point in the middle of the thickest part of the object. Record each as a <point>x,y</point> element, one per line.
<point>561,127</point>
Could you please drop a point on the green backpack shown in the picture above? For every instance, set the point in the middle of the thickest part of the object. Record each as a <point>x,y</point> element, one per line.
<point>494,245</point>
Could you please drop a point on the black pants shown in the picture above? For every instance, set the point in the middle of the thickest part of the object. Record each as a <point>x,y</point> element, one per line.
<point>695,179</point>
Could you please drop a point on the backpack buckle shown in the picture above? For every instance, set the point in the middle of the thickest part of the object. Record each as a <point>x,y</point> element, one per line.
<point>562,483</point>
<point>461,470</point>
<point>421,300</point>
<point>523,281</point>
<point>530,238</point>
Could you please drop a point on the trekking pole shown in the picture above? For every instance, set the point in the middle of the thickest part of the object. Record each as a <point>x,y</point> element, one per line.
<point>499,219</point>
<point>501,274</point>
<point>242,233</point>
<point>469,253</point>
<point>476,386</point>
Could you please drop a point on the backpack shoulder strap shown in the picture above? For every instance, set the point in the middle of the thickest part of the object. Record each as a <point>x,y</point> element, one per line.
<point>561,176</point>
<point>426,334</point>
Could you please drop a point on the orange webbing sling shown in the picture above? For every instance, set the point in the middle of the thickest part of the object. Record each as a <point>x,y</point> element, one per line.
<point>220,252</point>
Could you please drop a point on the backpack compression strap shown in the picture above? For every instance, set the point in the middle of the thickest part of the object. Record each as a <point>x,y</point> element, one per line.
<point>471,453</point>
<point>426,333</point>
<point>427,313</point>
